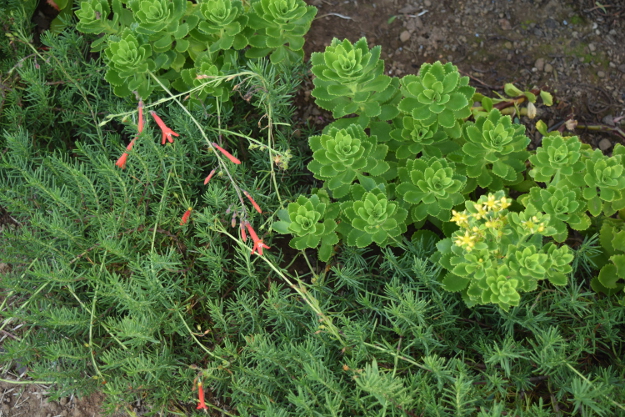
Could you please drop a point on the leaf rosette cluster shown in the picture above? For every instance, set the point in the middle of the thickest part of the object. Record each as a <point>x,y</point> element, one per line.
<point>438,95</point>
<point>605,183</point>
<point>349,78</point>
<point>496,254</point>
<point>414,138</point>
<point>129,62</point>
<point>340,155</point>
<point>280,22</point>
<point>556,158</point>
<point>611,278</point>
<point>225,21</point>
<point>432,186</point>
<point>312,223</point>
<point>495,146</point>
<point>565,206</point>
<point>373,218</point>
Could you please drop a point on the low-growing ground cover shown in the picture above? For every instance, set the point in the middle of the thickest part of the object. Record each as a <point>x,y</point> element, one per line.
<point>140,228</point>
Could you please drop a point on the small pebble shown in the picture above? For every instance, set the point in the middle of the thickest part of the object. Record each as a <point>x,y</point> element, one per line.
<point>508,45</point>
<point>621,67</point>
<point>427,3</point>
<point>592,47</point>
<point>600,74</point>
<point>540,64</point>
<point>548,68</point>
<point>605,144</point>
<point>405,36</point>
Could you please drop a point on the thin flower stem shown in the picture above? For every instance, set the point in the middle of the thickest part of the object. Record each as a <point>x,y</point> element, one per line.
<point>312,302</point>
<point>16,382</point>
<point>201,129</point>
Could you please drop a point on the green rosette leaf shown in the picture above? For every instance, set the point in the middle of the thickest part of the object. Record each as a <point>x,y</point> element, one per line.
<point>374,218</point>
<point>494,148</point>
<point>432,186</point>
<point>312,223</point>
<point>438,95</point>
<point>556,159</point>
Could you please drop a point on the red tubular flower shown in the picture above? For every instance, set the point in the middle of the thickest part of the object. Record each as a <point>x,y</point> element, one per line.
<point>258,243</point>
<point>121,162</point>
<point>256,206</point>
<point>140,116</point>
<point>227,154</point>
<point>186,216</point>
<point>167,132</point>
<point>243,234</point>
<point>209,177</point>
<point>200,393</point>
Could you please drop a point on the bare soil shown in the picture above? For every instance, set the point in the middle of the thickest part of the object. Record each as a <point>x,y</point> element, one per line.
<point>573,48</point>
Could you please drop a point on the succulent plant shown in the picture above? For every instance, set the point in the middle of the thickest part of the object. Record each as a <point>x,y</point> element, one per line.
<point>373,218</point>
<point>129,62</point>
<point>340,155</point>
<point>157,16</point>
<point>312,223</point>
<point>496,254</point>
<point>432,186</point>
<point>605,183</point>
<point>437,95</point>
<point>495,146</point>
<point>414,138</point>
<point>556,158</point>
<point>611,278</point>
<point>564,204</point>
<point>350,79</point>
<point>93,18</point>
<point>225,21</point>
<point>278,23</point>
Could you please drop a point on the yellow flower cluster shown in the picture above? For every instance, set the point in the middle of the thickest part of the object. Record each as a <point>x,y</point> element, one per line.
<point>534,225</point>
<point>487,210</point>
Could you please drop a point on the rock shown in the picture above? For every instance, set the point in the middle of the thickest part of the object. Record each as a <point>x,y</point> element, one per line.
<point>540,64</point>
<point>600,74</point>
<point>605,144</point>
<point>504,24</point>
<point>411,8</point>
<point>548,68</point>
<point>63,401</point>
<point>427,3</point>
<point>405,36</point>
<point>608,120</point>
<point>621,67</point>
<point>508,45</point>
<point>592,47</point>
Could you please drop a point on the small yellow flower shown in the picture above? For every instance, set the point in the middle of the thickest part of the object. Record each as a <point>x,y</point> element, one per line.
<point>459,218</point>
<point>481,211</point>
<point>504,203</point>
<point>491,203</point>
<point>466,240</point>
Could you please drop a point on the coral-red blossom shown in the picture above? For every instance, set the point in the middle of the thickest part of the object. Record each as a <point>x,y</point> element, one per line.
<point>167,132</point>
<point>258,243</point>
<point>209,177</point>
<point>121,162</point>
<point>243,234</point>
<point>256,206</point>
<point>200,393</point>
<point>186,216</point>
<point>140,116</point>
<point>227,154</point>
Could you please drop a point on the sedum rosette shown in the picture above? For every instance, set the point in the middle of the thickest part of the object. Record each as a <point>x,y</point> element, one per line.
<point>438,95</point>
